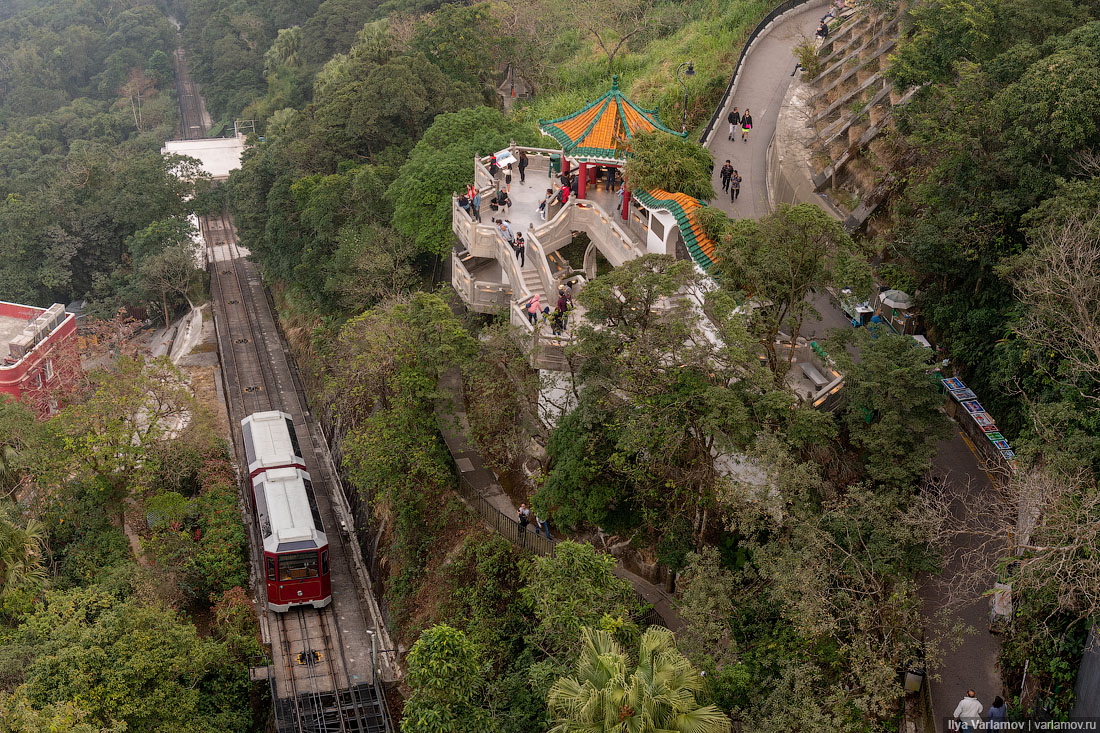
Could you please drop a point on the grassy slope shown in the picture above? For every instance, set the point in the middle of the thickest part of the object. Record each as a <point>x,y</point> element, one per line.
<point>711,36</point>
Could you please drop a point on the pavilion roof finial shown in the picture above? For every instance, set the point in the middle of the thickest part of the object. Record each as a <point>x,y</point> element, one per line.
<point>615,83</point>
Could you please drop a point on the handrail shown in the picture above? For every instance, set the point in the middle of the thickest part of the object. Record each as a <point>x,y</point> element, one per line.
<point>783,7</point>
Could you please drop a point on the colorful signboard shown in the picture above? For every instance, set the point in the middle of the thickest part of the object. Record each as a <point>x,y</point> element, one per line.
<point>966,397</point>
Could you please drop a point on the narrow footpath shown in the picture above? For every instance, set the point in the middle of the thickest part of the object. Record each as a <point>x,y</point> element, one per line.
<point>451,416</point>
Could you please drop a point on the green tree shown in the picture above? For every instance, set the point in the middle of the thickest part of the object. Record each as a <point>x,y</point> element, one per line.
<point>22,565</point>
<point>445,674</point>
<point>774,263</point>
<point>172,271</point>
<point>463,40</point>
<point>611,693</point>
<point>659,404</point>
<point>894,413</point>
<point>110,436</point>
<point>124,661</point>
<point>442,164</point>
<point>670,163</point>
<point>573,588</point>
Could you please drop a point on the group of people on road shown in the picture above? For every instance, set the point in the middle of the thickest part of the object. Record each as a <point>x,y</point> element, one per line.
<point>968,714</point>
<point>731,180</point>
<point>742,122</point>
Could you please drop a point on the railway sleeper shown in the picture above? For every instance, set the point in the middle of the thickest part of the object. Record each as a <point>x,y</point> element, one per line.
<point>355,710</point>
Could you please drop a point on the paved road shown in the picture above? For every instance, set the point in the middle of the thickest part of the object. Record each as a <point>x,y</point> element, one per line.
<point>973,662</point>
<point>761,88</point>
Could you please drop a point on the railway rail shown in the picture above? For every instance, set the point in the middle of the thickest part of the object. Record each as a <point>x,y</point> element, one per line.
<point>322,671</point>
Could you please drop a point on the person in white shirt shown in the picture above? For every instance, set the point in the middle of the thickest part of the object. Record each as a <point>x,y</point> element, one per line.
<point>968,713</point>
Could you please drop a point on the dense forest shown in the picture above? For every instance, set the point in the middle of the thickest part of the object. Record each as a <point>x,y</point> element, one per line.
<point>798,580</point>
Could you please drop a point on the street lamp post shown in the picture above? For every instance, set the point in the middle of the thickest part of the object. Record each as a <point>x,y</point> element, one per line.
<point>690,72</point>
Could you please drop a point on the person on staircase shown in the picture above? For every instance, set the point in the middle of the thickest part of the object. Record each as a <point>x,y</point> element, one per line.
<point>521,250</point>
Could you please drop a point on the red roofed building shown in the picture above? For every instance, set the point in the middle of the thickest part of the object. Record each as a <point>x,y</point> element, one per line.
<point>38,354</point>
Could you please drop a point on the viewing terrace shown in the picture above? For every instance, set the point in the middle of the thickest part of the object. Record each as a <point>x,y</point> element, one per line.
<point>620,226</point>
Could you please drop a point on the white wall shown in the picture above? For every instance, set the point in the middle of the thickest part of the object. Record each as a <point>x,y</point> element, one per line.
<point>666,223</point>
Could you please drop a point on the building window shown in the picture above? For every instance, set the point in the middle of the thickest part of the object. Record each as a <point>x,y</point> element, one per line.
<point>49,369</point>
<point>657,228</point>
<point>53,405</point>
<point>38,380</point>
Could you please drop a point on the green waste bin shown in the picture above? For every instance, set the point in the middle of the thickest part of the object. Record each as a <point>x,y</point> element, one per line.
<point>555,164</point>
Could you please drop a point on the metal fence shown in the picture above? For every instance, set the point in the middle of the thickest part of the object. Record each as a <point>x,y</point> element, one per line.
<point>779,10</point>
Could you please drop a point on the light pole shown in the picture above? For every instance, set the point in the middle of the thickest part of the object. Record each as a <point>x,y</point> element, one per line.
<point>690,72</point>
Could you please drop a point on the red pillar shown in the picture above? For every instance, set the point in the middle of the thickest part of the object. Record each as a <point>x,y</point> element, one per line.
<point>564,163</point>
<point>593,172</point>
<point>581,188</point>
<point>626,201</point>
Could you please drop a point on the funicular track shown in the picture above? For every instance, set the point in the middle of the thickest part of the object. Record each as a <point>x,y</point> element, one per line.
<point>316,684</point>
<point>322,675</point>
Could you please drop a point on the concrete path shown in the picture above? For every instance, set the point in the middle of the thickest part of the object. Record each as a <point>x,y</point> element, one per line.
<point>451,416</point>
<point>761,88</point>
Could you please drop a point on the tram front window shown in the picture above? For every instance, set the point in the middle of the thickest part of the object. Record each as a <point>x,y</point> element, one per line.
<point>298,566</point>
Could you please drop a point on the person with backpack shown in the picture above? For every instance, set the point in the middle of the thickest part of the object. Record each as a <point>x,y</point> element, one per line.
<point>734,120</point>
<point>563,195</point>
<point>534,308</point>
<point>746,125</point>
<point>523,517</point>
<point>494,169</point>
<point>725,174</point>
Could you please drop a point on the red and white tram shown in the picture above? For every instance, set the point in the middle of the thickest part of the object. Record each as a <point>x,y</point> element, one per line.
<point>296,563</point>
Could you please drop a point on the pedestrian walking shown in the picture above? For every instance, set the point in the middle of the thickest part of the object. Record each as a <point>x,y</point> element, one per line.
<point>534,307</point>
<point>521,249</point>
<point>746,125</point>
<point>494,169</point>
<point>523,517</point>
<point>542,524</point>
<point>968,713</point>
<point>506,232</point>
<point>734,119</point>
<point>997,715</point>
<point>563,308</point>
<point>611,178</point>
<point>725,174</point>
<point>508,175</point>
<point>546,202</point>
<point>505,199</point>
<point>523,166</point>
<point>735,186</point>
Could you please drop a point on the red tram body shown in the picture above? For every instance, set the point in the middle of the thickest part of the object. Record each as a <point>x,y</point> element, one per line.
<point>296,564</point>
